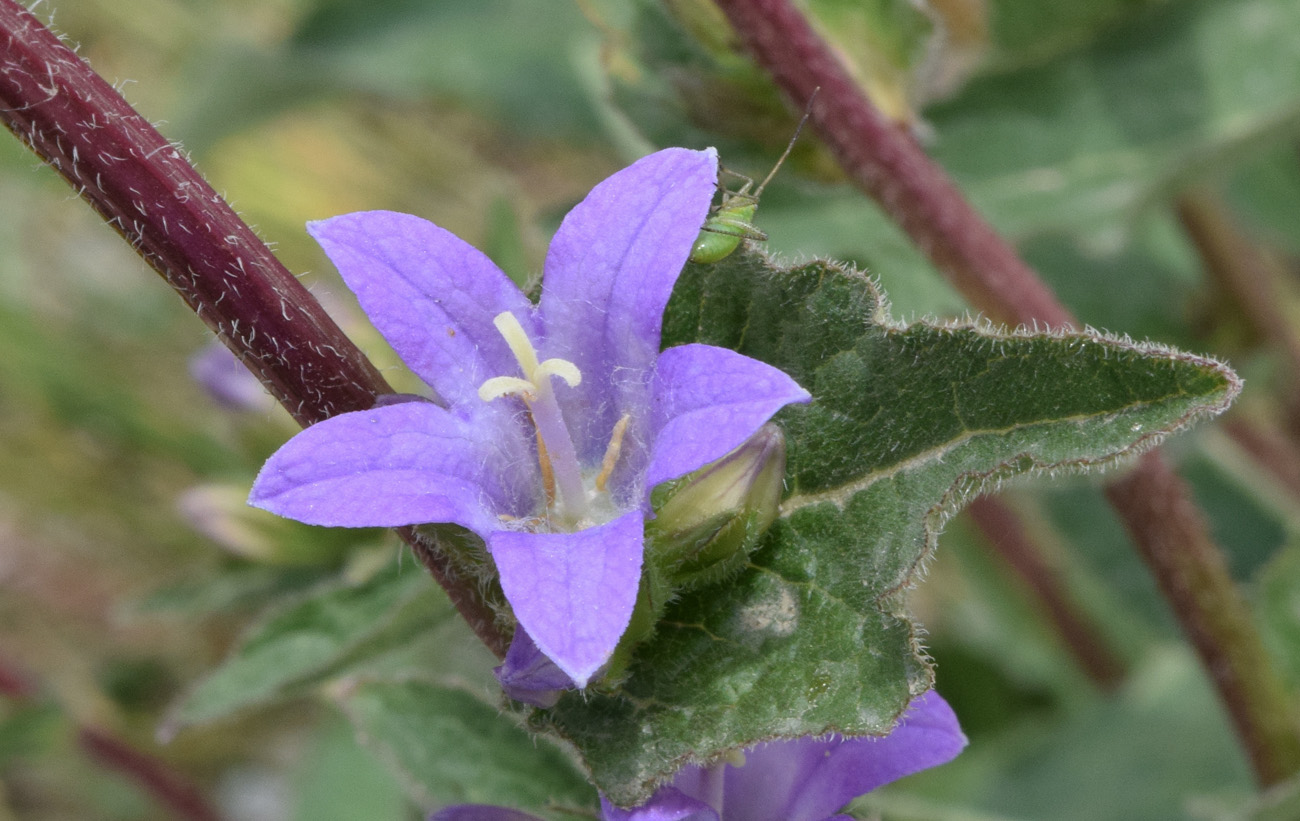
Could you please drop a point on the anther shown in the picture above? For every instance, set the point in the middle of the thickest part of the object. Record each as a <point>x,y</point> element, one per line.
<point>611,452</point>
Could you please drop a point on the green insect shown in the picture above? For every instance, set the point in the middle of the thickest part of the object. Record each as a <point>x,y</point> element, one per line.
<point>731,221</point>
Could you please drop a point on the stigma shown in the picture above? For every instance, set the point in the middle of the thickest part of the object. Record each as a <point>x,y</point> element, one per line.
<point>536,374</point>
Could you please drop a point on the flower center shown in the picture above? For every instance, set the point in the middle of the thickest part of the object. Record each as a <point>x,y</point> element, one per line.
<point>555,451</point>
<point>556,455</point>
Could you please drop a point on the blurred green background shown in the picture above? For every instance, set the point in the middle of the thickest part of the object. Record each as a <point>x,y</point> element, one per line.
<point>1082,130</point>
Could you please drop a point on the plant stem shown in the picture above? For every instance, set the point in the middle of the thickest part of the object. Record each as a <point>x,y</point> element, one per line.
<point>1251,282</point>
<point>153,775</point>
<point>1007,534</point>
<point>1270,449</point>
<point>885,161</point>
<point>1188,566</point>
<point>156,778</point>
<point>143,186</point>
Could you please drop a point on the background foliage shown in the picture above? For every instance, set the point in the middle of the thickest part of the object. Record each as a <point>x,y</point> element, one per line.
<point>1080,129</point>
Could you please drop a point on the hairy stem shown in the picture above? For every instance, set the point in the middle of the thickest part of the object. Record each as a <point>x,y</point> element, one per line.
<point>885,161</point>
<point>145,188</point>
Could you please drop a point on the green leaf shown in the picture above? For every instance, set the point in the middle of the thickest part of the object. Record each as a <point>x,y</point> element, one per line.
<point>1025,31</point>
<point>1159,744</point>
<point>1103,133</point>
<point>338,780</point>
<point>1278,605</point>
<point>402,49</point>
<point>453,748</point>
<point>907,423</point>
<point>310,639</point>
<point>1280,802</point>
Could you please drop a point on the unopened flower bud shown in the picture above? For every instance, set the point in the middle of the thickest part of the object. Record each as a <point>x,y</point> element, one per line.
<point>221,513</point>
<point>707,523</point>
<point>227,382</point>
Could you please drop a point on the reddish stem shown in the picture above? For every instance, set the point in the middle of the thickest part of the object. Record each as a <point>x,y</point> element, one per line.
<point>1270,449</point>
<point>1157,508</point>
<point>1004,530</point>
<point>156,778</point>
<point>1250,280</point>
<point>885,161</point>
<point>143,186</point>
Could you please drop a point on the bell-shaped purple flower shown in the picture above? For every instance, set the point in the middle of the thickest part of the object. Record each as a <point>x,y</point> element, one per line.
<point>553,421</point>
<point>803,779</point>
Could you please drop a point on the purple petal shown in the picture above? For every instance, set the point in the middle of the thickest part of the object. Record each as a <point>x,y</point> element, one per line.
<point>480,812</point>
<point>432,295</point>
<point>667,804</point>
<point>527,675</point>
<point>707,402</point>
<point>573,592</point>
<point>403,464</point>
<point>808,780</point>
<point>609,272</point>
<point>227,381</point>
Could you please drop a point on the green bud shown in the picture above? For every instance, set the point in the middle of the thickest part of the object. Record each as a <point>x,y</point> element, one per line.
<point>707,523</point>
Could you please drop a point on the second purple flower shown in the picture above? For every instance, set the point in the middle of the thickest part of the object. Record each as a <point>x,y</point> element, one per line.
<point>556,420</point>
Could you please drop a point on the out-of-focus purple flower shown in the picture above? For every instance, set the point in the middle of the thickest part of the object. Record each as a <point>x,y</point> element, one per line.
<point>227,381</point>
<point>559,418</point>
<point>800,780</point>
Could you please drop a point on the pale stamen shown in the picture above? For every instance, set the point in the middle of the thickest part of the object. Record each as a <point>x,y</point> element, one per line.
<point>557,458</point>
<point>611,452</point>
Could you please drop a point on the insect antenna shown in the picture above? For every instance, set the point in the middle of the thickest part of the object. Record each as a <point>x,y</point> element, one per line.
<point>807,112</point>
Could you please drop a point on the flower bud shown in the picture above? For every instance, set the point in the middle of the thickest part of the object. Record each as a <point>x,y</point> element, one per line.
<point>707,523</point>
<point>227,382</point>
<point>221,513</point>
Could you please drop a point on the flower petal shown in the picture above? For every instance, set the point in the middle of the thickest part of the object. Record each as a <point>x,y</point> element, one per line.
<point>808,780</point>
<point>609,272</point>
<point>480,812</point>
<point>667,804</point>
<point>527,675</point>
<point>227,381</point>
<point>573,592</point>
<point>708,401</point>
<point>432,295</point>
<point>402,464</point>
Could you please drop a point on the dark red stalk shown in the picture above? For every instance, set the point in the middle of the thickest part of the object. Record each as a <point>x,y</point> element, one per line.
<point>143,186</point>
<point>885,161</point>
<point>153,776</point>
<point>1000,525</point>
<point>1251,282</point>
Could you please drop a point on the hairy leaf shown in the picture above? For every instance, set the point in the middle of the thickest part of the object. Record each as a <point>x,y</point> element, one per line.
<point>907,423</point>
<point>312,638</point>
<point>452,748</point>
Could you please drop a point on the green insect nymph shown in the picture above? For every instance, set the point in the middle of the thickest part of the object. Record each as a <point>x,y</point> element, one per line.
<point>731,221</point>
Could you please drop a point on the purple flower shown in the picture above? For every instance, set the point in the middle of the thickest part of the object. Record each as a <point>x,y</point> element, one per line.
<point>800,780</point>
<point>556,420</point>
<point>227,381</point>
